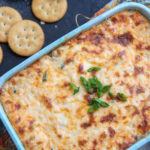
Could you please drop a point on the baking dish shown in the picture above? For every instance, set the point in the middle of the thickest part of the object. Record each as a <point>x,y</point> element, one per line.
<point>130,5</point>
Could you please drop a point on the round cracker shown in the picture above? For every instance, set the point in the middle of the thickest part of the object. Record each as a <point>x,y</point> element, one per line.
<point>8,17</point>
<point>1,54</point>
<point>49,10</point>
<point>26,38</point>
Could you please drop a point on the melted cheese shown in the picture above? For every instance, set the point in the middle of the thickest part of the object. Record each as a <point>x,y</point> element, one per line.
<point>46,115</point>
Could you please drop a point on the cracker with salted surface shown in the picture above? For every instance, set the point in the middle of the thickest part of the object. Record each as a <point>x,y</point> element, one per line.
<point>26,38</point>
<point>49,10</point>
<point>8,17</point>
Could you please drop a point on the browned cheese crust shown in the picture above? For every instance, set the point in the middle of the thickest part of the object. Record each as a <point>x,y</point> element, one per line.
<point>45,113</point>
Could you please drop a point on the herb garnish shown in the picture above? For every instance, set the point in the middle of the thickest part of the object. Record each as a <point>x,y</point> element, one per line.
<point>106,88</point>
<point>93,85</point>
<point>96,104</point>
<point>62,66</point>
<point>75,88</point>
<point>99,92</point>
<point>93,69</point>
<point>111,95</point>
<point>121,97</point>
<point>91,110</point>
<point>102,103</point>
<point>44,79</point>
<point>97,85</point>
<point>86,85</point>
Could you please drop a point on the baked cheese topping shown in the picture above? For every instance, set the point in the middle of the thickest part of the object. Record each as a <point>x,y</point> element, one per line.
<point>47,116</point>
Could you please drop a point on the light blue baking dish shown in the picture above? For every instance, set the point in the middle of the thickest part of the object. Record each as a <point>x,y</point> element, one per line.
<point>124,6</point>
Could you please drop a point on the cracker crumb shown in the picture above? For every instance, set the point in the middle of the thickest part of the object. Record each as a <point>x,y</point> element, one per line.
<point>42,22</point>
<point>56,26</point>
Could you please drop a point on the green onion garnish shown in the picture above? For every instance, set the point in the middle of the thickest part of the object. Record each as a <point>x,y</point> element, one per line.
<point>95,104</point>
<point>93,69</point>
<point>111,94</point>
<point>106,88</point>
<point>75,88</point>
<point>121,97</point>
<point>44,79</point>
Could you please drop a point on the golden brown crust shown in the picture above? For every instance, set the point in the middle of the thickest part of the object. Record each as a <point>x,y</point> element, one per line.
<point>43,110</point>
<point>50,10</point>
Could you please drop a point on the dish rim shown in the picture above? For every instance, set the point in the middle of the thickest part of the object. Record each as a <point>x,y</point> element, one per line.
<point>124,6</point>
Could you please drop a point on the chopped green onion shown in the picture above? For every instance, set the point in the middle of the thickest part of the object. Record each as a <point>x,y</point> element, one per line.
<point>92,83</point>
<point>75,88</point>
<point>96,104</point>
<point>90,110</point>
<point>99,87</point>
<point>84,82</point>
<point>96,85</point>
<point>95,100</point>
<point>99,84</point>
<point>44,79</point>
<point>99,92</point>
<point>90,91</point>
<point>121,97</point>
<point>102,103</point>
<point>111,94</point>
<point>62,66</point>
<point>86,85</point>
<point>91,102</point>
<point>106,88</point>
<point>93,69</point>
